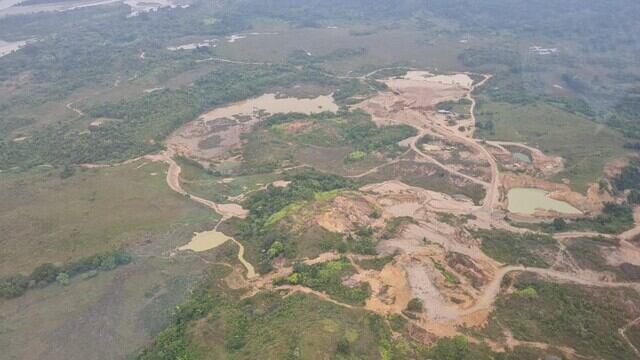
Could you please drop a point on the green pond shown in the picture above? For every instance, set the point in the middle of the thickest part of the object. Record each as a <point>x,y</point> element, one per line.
<point>521,157</point>
<point>528,200</point>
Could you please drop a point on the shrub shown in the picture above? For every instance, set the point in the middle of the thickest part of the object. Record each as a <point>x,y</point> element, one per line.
<point>63,279</point>
<point>415,305</point>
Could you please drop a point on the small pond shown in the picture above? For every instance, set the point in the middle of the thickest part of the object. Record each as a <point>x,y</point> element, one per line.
<point>521,157</point>
<point>206,240</point>
<point>528,200</point>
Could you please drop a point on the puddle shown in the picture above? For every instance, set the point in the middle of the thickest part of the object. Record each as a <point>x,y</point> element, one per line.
<point>521,157</point>
<point>206,240</point>
<point>528,200</point>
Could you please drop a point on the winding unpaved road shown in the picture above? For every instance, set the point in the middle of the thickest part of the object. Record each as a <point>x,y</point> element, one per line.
<point>487,298</point>
<point>227,211</point>
<point>414,147</point>
<point>75,110</point>
<point>492,195</point>
<point>622,332</point>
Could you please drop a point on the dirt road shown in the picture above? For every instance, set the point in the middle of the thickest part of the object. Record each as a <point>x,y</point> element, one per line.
<point>227,211</point>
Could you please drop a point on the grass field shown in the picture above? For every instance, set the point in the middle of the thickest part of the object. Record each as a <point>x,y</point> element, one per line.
<point>197,181</point>
<point>426,176</point>
<point>401,46</point>
<point>585,145</point>
<point>528,249</point>
<point>45,218</point>
<point>300,326</point>
<point>569,315</point>
<point>108,316</point>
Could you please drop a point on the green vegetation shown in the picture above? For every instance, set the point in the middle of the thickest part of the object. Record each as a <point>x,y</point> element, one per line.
<point>569,315</point>
<point>209,184</point>
<point>426,176</point>
<point>455,220</point>
<point>304,186</point>
<point>449,277</point>
<point>353,129</point>
<point>93,58</point>
<point>629,178</point>
<point>363,241</point>
<point>267,208</point>
<point>528,249</point>
<point>146,121</point>
<point>44,218</point>
<point>396,225</point>
<point>172,343</point>
<point>376,263</point>
<point>415,305</point>
<point>215,323</point>
<point>633,334</point>
<point>356,156</point>
<point>588,254</point>
<point>626,113</point>
<point>327,277</point>
<point>45,274</point>
<point>554,131</point>
<point>461,108</point>
<point>458,348</point>
<point>614,219</point>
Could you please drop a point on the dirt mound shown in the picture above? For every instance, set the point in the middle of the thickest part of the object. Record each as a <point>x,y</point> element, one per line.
<point>390,289</point>
<point>346,213</point>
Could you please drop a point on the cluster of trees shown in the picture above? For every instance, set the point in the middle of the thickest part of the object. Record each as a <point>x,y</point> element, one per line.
<point>353,128</point>
<point>314,13</point>
<point>567,314</point>
<point>367,137</point>
<point>172,343</point>
<point>303,186</point>
<point>258,227</point>
<point>629,178</point>
<point>614,219</point>
<point>327,277</point>
<point>528,249</point>
<point>45,274</point>
<point>146,121</point>
<point>626,114</point>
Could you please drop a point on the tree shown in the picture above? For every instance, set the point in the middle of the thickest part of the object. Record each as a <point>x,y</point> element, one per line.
<point>108,263</point>
<point>63,279</point>
<point>67,171</point>
<point>13,286</point>
<point>415,305</point>
<point>559,224</point>
<point>634,197</point>
<point>276,249</point>
<point>294,279</point>
<point>453,348</point>
<point>45,273</point>
<point>343,346</point>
